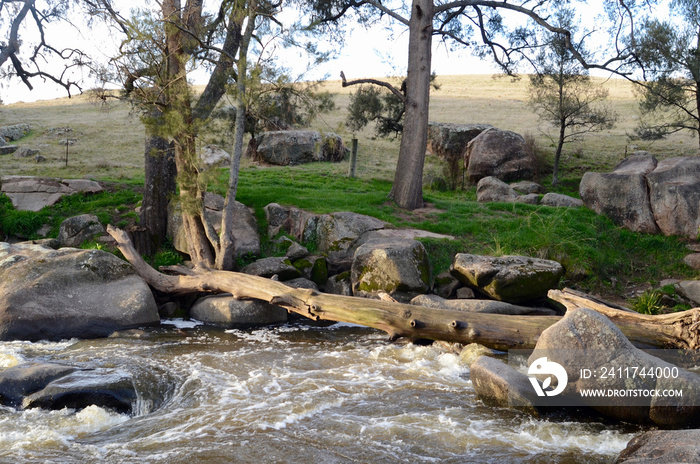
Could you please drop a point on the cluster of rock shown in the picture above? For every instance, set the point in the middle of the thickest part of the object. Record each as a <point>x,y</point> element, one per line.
<point>585,338</point>
<point>12,134</point>
<point>646,195</point>
<point>491,189</point>
<point>288,148</point>
<point>359,255</point>
<point>33,193</point>
<point>483,150</point>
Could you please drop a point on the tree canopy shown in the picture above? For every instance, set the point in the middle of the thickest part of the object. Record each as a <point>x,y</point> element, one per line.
<point>668,53</point>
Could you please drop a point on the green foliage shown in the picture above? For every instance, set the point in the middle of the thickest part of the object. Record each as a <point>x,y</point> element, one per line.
<point>668,52</point>
<point>648,302</point>
<point>595,253</point>
<point>168,256</point>
<point>562,93</point>
<point>370,104</point>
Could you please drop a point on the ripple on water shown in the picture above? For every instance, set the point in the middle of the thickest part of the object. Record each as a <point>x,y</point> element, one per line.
<point>294,394</point>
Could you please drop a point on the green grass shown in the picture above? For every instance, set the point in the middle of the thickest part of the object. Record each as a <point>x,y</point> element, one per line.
<point>596,254</point>
<point>107,206</point>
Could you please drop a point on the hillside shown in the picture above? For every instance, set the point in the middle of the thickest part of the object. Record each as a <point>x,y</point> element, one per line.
<point>109,137</point>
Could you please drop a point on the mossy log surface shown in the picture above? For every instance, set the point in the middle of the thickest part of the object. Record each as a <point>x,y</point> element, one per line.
<point>501,332</point>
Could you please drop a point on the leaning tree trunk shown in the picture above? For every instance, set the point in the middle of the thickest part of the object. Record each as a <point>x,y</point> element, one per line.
<point>179,114</point>
<point>407,190</point>
<point>502,332</point>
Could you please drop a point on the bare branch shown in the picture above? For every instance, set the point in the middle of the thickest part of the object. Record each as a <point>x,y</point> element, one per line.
<point>386,85</point>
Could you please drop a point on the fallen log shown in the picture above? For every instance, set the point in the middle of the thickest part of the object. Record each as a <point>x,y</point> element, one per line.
<point>674,330</point>
<point>498,331</point>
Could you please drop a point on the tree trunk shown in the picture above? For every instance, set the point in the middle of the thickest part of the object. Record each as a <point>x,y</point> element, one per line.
<point>557,154</point>
<point>179,114</point>
<point>502,332</point>
<point>407,190</point>
<point>159,185</point>
<point>225,258</point>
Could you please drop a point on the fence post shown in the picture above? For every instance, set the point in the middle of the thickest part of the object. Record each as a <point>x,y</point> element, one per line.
<point>353,159</point>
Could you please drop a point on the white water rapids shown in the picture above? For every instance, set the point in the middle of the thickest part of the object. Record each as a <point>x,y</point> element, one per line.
<point>292,394</point>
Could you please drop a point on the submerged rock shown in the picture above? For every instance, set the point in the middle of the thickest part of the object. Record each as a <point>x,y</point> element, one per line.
<point>107,388</point>
<point>55,386</point>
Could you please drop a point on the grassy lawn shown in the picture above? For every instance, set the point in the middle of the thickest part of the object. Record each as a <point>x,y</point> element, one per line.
<point>597,255</point>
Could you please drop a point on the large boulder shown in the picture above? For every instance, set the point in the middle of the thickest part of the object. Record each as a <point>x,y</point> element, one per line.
<point>449,141</point>
<point>499,153</point>
<point>674,194</point>
<point>398,268</point>
<point>622,195</point>
<point>230,313</point>
<point>588,346</point>
<point>644,195</point>
<point>514,279</point>
<point>78,229</point>
<point>285,148</point>
<point>213,155</point>
<point>66,293</point>
<point>244,229</point>
<point>662,447</point>
<point>14,132</point>
<point>493,190</point>
<point>34,193</point>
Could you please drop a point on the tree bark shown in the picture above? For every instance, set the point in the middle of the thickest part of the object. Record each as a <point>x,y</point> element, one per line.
<point>179,113</point>
<point>497,331</point>
<point>225,258</point>
<point>159,185</point>
<point>407,190</point>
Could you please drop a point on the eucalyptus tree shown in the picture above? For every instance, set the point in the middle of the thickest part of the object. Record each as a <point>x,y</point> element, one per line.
<point>668,53</point>
<point>159,49</point>
<point>482,25</point>
<point>562,93</point>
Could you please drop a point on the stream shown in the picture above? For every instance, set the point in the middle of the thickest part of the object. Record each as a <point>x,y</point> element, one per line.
<point>289,394</point>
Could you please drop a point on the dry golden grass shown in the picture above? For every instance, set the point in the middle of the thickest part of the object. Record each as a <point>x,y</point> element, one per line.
<point>110,139</point>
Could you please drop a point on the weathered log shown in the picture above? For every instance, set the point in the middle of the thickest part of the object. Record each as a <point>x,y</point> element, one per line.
<point>674,330</point>
<point>501,332</point>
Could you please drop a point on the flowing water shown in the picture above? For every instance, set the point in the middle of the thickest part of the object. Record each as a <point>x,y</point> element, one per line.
<point>292,394</point>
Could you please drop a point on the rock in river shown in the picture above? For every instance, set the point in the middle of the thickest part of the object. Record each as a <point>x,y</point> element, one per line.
<point>69,293</point>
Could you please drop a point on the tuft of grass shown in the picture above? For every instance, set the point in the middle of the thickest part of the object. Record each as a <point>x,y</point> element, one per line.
<point>648,302</point>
